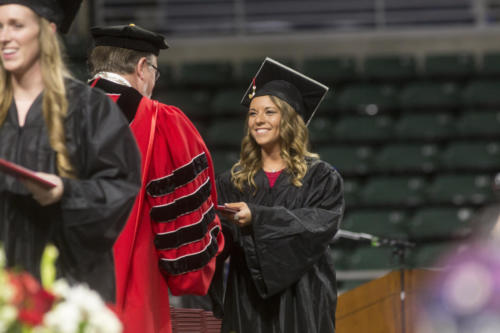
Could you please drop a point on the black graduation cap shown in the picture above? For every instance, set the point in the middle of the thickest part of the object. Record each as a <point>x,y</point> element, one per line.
<point>129,37</point>
<point>61,12</point>
<point>301,92</point>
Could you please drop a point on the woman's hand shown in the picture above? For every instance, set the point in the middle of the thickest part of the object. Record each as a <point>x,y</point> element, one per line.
<point>43,195</point>
<point>243,217</point>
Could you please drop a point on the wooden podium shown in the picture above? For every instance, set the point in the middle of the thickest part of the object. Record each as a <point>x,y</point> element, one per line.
<point>376,307</point>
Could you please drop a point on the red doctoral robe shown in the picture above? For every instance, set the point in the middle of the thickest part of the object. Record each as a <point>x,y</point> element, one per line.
<point>173,235</point>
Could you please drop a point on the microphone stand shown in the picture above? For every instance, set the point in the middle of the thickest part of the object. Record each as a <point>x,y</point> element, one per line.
<point>399,247</point>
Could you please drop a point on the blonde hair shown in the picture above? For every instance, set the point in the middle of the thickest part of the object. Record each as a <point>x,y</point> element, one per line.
<point>294,143</point>
<point>55,103</point>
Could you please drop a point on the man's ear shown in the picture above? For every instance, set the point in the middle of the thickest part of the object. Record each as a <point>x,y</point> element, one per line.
<point>139,68</point>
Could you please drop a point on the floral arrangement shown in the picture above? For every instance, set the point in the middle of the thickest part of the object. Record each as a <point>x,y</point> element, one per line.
<point>28,307</point>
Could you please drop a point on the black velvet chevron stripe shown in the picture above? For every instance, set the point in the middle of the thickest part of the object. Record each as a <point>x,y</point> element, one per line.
<point>178,178</point>
<point>186,235</point>
<point>195,261</point>
<point>183,205</point>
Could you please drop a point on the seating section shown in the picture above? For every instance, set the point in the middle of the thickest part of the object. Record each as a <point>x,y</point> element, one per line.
<point>330,70</point>
<point>454,66</point>
<point>429,96</point>
<point>417,142</point>
<point>412,157</point>
<point>368,98</point>
<point>390,68</point>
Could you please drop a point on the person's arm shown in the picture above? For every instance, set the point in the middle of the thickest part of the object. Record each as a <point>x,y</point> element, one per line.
<point>182,194</point>
<point>96,204</point>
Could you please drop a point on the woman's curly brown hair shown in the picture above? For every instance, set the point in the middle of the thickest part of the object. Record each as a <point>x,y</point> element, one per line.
<point>294,141</point>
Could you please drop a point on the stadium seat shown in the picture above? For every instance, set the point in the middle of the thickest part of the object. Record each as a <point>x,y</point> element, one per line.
<point>369,258</point>
<point>351,191</point>
<point>206,74</point>
<point>347,159</point>
<point>225,133</point>
<point>471,156</point>
<point>227,102</point>
<point>406,158</point>
<point>368,129</point>
<point>429,96</point>
<point>427,127</point>
<point>481,94</point>
<point>339,257</point>
<point>382,223</point>
<point>194,104</point>
<point>394,191</point>
<point>441,223</point>
<point>460,189</point>
<point>166,78</point>
<point>389,68</point>
<point>490,65</point>
<point>330,70</point>
<point>368,99</point>
<point>329,106</point>
<point>321,129</point>
<point>453,66</point>
<point>479,124</point>
<point>224,159</point>
<point>431,255</point>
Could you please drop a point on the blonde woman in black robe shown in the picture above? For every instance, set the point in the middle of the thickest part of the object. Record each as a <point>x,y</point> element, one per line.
<point>73,137</point>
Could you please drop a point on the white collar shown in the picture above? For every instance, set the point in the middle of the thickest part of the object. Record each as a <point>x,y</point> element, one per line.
<point>113,77</point>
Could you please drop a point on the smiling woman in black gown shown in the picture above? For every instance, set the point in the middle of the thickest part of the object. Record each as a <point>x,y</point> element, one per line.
<point>290,203</point>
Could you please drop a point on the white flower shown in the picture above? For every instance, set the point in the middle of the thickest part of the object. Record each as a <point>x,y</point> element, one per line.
<point>86,299</point>
<point>64,318</point>
<point>7,292</point>
<point>103,321</point>
<point>3,259</point>
<point>61,288</point>
<point>8,314</point>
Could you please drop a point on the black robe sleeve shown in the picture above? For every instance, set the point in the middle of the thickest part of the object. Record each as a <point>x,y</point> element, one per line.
<point>95,206</point>
<point>282,243</point>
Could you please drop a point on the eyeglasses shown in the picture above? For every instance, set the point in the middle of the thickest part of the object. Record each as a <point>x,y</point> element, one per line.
<point>157,71</point>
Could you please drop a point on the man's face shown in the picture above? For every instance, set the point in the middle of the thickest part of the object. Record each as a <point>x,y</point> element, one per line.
<point>150,76</point>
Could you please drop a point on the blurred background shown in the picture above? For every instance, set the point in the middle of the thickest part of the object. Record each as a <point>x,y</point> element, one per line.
<point>412,119</point>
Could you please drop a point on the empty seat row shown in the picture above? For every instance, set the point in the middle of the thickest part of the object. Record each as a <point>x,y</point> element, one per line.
<point>413,157</point>
<point>423,224</point>
<point>423,255</point>
<point>416,127</point>
<point>418,191</point>
<point>396,158</point>
<point>338,69</point>
<point>362,98</point>
<point>371,98</point>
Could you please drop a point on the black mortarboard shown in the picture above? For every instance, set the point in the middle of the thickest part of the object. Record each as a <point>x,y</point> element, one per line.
<point>61,12</point>
<point>129,37</point>
<point>301,92</point>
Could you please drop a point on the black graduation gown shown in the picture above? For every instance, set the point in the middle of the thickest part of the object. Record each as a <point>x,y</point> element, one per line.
<point>281,277</point>
<point>93,208</point>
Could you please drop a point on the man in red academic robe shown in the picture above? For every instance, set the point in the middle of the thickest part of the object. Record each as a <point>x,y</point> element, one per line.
<point>173,235</point>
